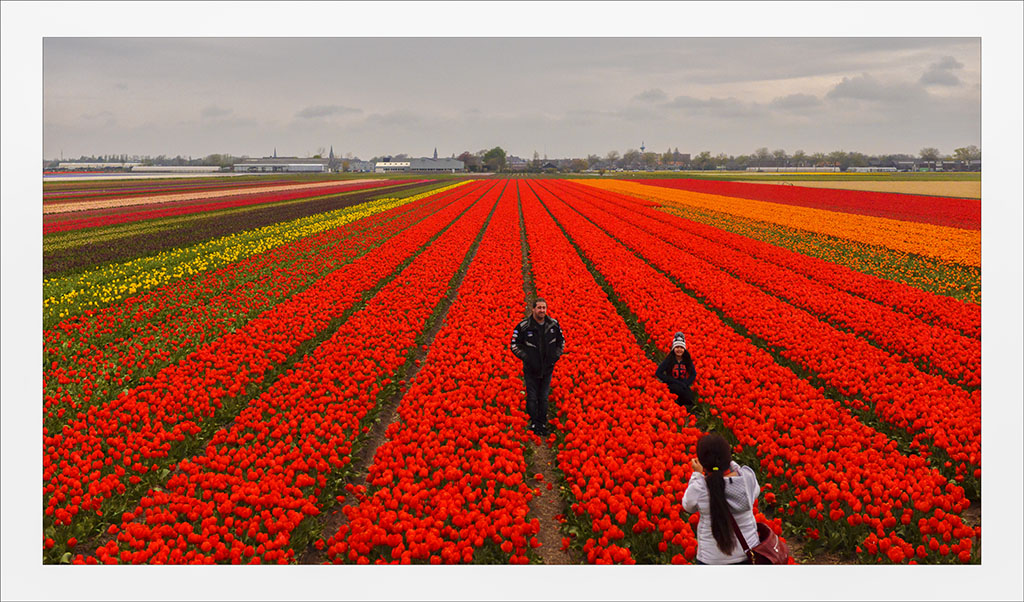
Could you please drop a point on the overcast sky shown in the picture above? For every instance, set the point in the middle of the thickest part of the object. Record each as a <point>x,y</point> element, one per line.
<point>562,97</point>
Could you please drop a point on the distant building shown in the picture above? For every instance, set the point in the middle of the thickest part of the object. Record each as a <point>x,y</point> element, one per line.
<point>423,164</point>
<point>515,163</point>
<point>823,168</point>
<point>355,165</point>
<point>870,169</point>
<point>174,168</point>
<point>73,165</point>
<point>282,164</point>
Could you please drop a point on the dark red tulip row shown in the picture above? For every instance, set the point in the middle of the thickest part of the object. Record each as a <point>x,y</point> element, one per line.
<point>624,445</point>
<point>937,310</point>
<point>926,406</point>
<point>830,471</point>
<point>243,500</point>
<point>88,356</point>
<point>935,349</point>
<point>77,220</point>
<point>449,484</point>
<point>941,211</point>
<point>102,451</point>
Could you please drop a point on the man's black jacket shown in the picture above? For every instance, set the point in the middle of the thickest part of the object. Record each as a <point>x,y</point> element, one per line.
<point>538,345</point>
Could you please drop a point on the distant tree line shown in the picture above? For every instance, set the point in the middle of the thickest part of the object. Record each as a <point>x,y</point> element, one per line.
<point>498,160</point>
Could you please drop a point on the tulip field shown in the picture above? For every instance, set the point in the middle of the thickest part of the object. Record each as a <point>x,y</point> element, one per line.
<point>305,372</point>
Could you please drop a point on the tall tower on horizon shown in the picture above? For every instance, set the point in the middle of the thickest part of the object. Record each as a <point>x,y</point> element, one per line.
<point>642,147</point>
<point>435,152</point>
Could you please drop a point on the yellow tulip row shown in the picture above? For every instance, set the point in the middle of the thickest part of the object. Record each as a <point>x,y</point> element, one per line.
<point>68,296</point>
<point>952,245</point>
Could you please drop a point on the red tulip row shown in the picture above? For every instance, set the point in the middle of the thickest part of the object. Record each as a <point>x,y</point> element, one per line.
<point>104,450</point>
<point>899,394</point>
<point>937,310</point>
<point>625,445</point>
<point>448,485</point>
<point>88,356</point>
<point>244,499</point>
<point>941,211</point>
<point>844,477</point>
<point>933,348</point>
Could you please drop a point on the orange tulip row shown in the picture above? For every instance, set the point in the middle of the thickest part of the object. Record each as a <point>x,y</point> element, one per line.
<point>958,318</point>
<point>931,409</point>
<point>828,470</point>
<point>950,244</point>
<point>926,274</point>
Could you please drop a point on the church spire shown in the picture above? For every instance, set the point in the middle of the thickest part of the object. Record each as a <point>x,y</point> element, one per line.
<point>435,152</point>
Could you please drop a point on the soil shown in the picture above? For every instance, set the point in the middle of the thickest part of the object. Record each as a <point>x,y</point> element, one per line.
<point>549,504</point>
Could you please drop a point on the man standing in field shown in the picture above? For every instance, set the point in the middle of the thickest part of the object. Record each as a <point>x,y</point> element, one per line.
<point>538,341</point>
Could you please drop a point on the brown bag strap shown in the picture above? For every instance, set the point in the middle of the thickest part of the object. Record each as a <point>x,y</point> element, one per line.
<point>739,534</point>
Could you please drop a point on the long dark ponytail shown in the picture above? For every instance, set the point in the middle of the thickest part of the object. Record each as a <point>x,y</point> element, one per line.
<point>715,455</point>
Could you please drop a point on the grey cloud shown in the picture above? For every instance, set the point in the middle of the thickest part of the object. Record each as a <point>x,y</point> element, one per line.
<point>866,87</point>
<point>396,118</point>
<point>941,73</point>
<point>317,111</point>
<point>730,107</point>
<point>796,101</point>
<point>97,115</point>
<point>213,112</point>
<point>652,95</point>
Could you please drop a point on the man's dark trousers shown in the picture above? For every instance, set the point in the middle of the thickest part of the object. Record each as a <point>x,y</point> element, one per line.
<point>537,388</point>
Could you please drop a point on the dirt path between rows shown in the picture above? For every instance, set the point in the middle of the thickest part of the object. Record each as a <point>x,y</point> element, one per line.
<point>189,196</point>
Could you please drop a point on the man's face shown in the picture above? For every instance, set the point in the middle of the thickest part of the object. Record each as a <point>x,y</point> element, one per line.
<point>540,310</point>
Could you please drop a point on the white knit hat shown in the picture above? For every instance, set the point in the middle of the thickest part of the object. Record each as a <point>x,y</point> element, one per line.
<point>679,340</point>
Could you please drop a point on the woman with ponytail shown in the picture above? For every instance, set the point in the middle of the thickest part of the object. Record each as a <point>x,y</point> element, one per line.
<point>717,489</point>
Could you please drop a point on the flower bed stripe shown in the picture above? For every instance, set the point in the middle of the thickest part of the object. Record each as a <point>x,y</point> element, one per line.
<point>64,255</point>
<point>63,297</point>
<point>940,211</point>
<point>959,283</point>
<point>87,357</point>
<point>57,192</point>
<point>243,500</point>
<point>130,204</point>
<point>932,349</point>
<point>927,407</point>
<point>842,477</point>
<point>449,484</point>
<point>965,318</point>
<point>126,442</point>
<point>949,244</point>
<point>623,444</point>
